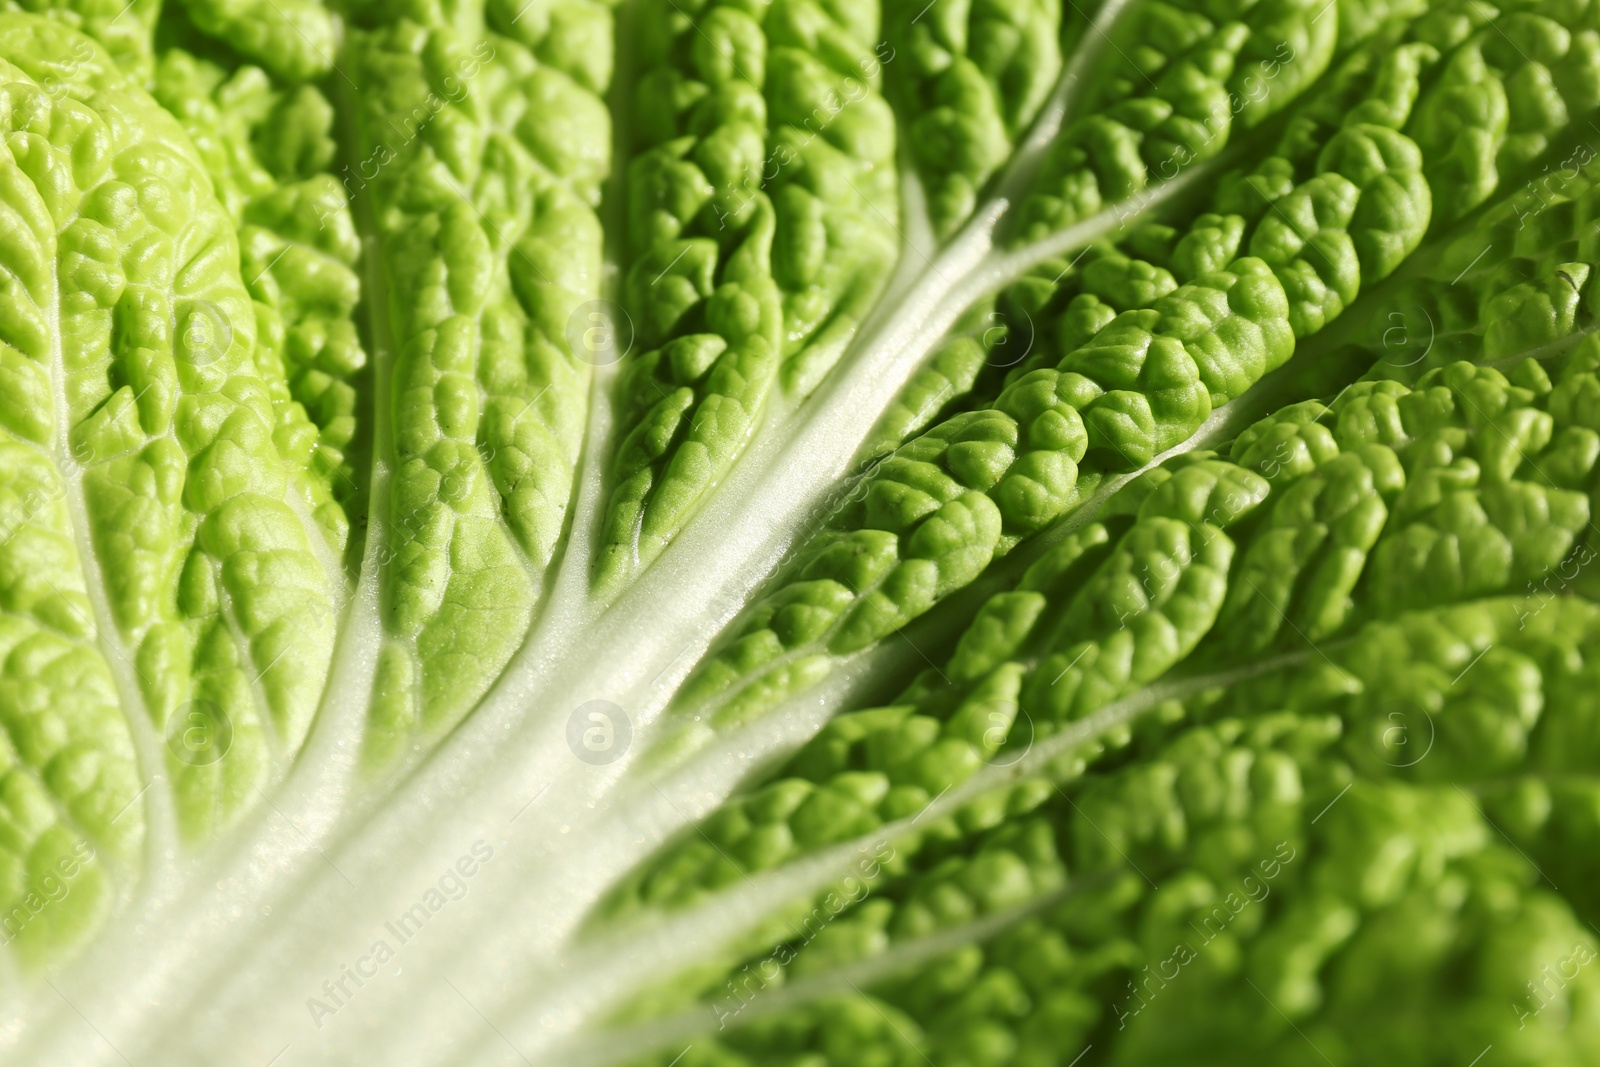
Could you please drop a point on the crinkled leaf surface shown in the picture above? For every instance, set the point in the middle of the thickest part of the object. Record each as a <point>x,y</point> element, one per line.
<point>799,533</point>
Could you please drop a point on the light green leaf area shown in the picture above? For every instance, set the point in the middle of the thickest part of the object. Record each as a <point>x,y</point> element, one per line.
<point>294,39</point>
<point>762,223</point>
<point>267,143</point>
<point>122,27</point>
<point>68,773</point>
<point>483,164</point>
<point>970,78</point>
<point>269,150</point>
<point>163,562</point>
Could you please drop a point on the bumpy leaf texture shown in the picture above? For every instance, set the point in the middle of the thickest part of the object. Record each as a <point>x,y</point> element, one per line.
<point>799,533</point>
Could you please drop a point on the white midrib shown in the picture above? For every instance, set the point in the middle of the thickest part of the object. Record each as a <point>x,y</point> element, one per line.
<point>543,905</point>
<point>698,1021</point>
<point>560,624</point>
<point>1223,425</point>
